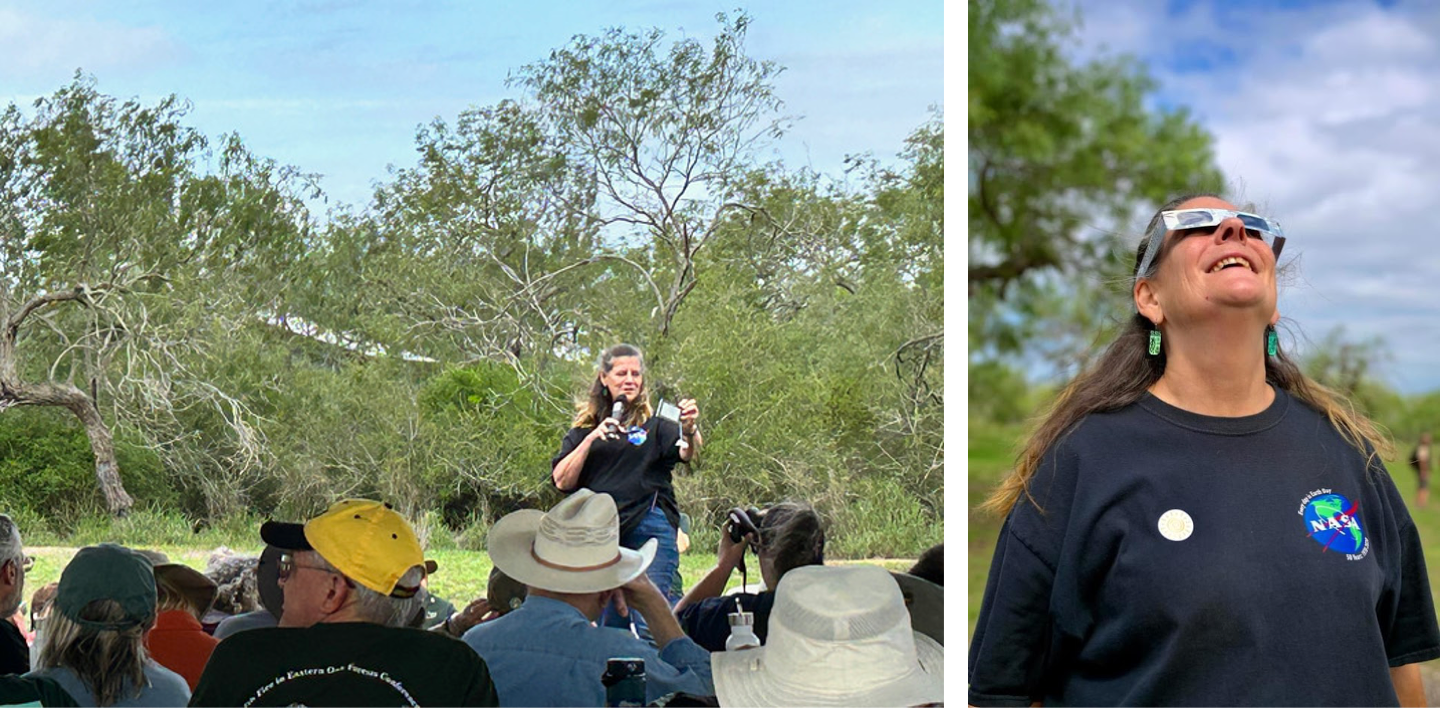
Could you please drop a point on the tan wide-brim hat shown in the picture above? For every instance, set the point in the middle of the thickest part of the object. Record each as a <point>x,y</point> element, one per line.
<point>197,588</point>
<point>574,547</point>
<point>838,636</point>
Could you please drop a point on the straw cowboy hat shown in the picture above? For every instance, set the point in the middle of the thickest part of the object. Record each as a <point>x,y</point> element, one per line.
<point>839,636</point>
<point>574,547</point>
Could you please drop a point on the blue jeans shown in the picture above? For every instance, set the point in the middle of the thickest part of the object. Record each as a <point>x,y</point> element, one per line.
<point>661,571</point>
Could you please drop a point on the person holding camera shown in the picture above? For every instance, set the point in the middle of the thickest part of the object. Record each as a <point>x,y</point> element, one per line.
<point>786,536</point>
<point>617,446</point>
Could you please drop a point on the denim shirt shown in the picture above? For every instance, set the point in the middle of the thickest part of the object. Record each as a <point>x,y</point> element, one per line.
<point>546,653</point>
<point>163,687</point>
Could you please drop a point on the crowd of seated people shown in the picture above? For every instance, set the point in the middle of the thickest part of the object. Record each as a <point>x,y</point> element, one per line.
<point>337,611</point>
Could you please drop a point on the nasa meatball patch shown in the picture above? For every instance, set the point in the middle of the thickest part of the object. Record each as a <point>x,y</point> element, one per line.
<point>1333,521</point>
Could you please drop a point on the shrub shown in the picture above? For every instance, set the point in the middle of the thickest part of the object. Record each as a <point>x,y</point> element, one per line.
<point>45,460</point>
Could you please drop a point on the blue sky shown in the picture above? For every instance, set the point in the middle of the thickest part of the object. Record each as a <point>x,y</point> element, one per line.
<point>1324,116</point>
<point>338,87</point>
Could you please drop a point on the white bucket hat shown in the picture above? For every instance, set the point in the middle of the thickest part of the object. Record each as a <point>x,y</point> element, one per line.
<point>839,636</point>
<point>574,547</point>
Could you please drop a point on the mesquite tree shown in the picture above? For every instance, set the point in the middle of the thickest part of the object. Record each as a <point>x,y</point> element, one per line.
<point>668,136</point>
<point>123,241</point>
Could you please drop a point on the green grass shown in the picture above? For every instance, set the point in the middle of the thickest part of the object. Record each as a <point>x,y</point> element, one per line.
<point>992,454</point>
<point>463,567</point>
<point>460,578</point>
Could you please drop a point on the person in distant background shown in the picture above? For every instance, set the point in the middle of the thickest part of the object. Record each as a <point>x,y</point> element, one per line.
<point>1420,460</point>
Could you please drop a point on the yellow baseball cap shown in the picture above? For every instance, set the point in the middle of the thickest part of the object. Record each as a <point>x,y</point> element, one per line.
<point>366,540</point>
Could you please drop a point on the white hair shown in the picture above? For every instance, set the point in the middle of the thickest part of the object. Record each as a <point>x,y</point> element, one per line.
<point>10,548</point>
<point>379,608</point>
<point>10,551</point>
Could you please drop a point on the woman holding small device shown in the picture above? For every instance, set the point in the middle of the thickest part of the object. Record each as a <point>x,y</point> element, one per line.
<point>616,445</point>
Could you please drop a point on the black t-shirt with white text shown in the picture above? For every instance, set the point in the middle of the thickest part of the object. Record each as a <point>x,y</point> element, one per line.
<point>344,664</point>
<point>1183,559</point>
<point>635,470</point>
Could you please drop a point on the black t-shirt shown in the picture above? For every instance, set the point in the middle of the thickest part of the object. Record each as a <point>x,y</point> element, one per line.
<point>32,691</point>
<point>14,652</point>
<point>708,621</point>
<point>634,470</point>
<point>344,664</point>
<point>1184,559</point>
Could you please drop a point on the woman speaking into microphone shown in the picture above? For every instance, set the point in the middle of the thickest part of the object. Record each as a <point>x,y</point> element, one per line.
<point>617,446</point>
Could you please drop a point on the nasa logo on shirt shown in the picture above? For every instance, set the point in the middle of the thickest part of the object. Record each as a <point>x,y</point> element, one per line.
<point>637,435</point>
<point>1333,521</point>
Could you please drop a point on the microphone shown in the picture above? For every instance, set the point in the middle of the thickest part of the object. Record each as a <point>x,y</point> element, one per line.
<point>618,409</point>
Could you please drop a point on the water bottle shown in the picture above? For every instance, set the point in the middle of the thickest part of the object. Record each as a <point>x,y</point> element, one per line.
<point>624,681</point>
<point>742,632</point>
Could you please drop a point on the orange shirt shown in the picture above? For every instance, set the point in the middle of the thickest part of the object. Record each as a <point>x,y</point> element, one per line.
<point>180,644</point>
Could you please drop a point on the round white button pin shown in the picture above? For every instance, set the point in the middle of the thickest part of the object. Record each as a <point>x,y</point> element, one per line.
<point>1176,525</point>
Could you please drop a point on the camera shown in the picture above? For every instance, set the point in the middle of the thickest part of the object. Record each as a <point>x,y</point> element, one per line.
<point>740,521</point>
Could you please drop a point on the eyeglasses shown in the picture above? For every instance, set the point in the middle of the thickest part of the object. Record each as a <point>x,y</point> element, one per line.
<point>1256,226</point>
<point>24,563</point>
<point>287,567</point>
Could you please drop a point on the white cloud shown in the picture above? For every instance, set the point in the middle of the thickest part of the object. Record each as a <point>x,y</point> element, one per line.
<point>32,44</point>
<point>1325,118</point>
<point>1374,37</point>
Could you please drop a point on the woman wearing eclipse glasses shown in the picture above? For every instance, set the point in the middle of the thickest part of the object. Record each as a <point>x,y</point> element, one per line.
<point>1194,521</point>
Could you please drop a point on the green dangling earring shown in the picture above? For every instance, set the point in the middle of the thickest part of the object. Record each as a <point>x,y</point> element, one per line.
<point>1272,341</point>
<point>1154,342</point>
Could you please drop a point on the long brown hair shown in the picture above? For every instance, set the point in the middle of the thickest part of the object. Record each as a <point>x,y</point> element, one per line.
<point>597,404</point>
<point>107,661</point>
<point>1125,371</point>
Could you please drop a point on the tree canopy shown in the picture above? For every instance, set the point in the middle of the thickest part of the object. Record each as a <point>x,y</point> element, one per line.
<point>1062,153</point>
<point>428,347</point>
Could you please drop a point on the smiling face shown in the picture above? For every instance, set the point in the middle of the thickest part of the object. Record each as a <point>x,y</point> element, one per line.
<point>1207,271</point>
<point>625,377</point>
